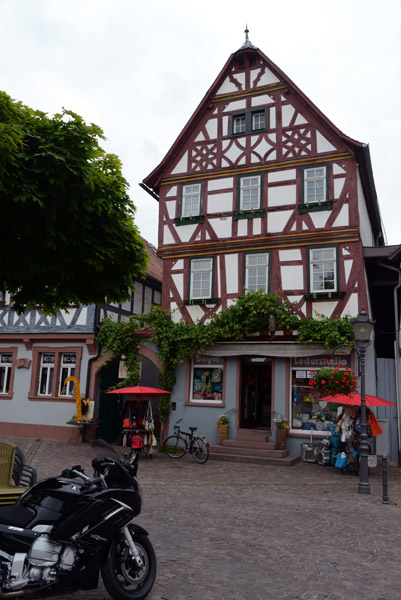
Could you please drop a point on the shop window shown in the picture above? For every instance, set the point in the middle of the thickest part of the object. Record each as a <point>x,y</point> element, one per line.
<point>207,380</point>
<point>307,411</point>
<point>50,368</point>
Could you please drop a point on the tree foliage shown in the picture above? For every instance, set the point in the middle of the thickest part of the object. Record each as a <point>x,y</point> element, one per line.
<point>67,221</point>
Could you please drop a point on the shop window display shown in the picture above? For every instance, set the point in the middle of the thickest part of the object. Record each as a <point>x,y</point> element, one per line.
<point>307,411</point>
<point>207,379</point>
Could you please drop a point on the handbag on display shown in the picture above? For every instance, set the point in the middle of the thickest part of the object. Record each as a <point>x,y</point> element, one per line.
<point>341,460</point>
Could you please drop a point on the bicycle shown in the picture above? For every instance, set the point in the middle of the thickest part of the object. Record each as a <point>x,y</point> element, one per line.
<point>175,446</point>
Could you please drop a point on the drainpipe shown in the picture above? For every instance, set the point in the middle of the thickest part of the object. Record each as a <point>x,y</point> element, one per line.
<point>397,350</point>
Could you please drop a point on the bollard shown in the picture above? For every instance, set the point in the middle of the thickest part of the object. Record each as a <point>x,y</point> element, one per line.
<point>385,498</point>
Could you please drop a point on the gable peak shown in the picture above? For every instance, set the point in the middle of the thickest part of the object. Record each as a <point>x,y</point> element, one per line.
<point>247,43</point>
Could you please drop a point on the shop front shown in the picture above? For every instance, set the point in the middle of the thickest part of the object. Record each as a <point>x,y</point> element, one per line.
<point>307,412</point>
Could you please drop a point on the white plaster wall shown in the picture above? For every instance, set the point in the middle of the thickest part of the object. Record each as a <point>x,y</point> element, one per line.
<point>178,265</point>
<point>182,165</point>
<point>267,78</point>
<point>323,308</point>
<point>195,312</point>
<point>338,186</point>
<point>221,226</point>
<point>220,202</point>
<point>283,194</point>
<point>287,112</point>
<point>287,255</point>
<point>284,175</point>
<point>342,219</point>
<point>234,106</point>
<point>175,314</point>
<point>351,308</point>
<point>171,204</point>
<point>172,191</point>
<point>178,279</point>
<point>319,219</point>
<point>347,268</point>
<point>261,100</point>
<point>167,237</point>
<point>211,128</point>
<point>277,221</point>
<point>323,144</point>
<point>364,222</point>
<point>292,277</point>
<point>220,184</point>
<point>242,227</point>
<point>231,273</point>
<point>257,226</point>
<point>185,232</point>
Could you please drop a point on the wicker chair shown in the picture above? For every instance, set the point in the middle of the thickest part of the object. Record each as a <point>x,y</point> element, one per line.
<point>9,492</point>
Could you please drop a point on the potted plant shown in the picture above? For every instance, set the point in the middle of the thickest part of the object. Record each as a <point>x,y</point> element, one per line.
<point>223,427</point>
<point>319,417</point>
<point>329,381</point>
<point>282,428</point>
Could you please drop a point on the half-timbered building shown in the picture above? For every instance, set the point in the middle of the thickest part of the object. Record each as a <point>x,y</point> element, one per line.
<point>261,191</point>
<point>38,352</point>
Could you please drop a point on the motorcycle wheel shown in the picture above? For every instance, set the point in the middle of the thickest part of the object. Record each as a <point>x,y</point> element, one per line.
<point>122,578</point>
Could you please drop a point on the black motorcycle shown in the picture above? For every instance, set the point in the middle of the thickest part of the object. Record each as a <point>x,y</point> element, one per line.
<point>65,530</point>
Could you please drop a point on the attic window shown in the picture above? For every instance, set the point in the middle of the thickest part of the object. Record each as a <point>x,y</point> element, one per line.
<point>248,122</point>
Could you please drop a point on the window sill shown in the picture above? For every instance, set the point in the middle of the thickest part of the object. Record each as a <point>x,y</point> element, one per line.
<point>319,206</point>
<point>324,295</point>
<point>201,301</point>
<point>189,220</point>
<point>249,214</point>
<point>68,399</point>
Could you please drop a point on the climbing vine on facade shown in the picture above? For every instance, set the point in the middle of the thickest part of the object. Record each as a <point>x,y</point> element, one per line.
<point>177,342</point>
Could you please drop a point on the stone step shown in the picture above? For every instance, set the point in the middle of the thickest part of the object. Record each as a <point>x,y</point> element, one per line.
<point>247,451</point>
<point>287,461</point>
<point>249,444</point>
<point>253,435</point>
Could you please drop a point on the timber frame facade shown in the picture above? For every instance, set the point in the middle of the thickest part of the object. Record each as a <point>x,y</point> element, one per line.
<point>261,191</point>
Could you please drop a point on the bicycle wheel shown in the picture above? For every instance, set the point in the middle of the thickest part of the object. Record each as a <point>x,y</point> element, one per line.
<point>175,446</point>
<point>200,451</point>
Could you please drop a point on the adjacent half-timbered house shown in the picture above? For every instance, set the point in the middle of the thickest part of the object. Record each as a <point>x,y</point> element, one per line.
<point>261,191</point>
<point>38,352</point>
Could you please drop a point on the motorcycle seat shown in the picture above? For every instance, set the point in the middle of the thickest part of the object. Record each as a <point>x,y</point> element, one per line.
<point>19,516</point>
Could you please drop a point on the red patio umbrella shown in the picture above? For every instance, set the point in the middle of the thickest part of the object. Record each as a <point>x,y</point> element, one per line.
<point>140,390</point>
<point>355,400</point>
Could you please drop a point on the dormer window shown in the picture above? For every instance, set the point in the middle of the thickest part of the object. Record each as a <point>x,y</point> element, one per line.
<point>249,122</point>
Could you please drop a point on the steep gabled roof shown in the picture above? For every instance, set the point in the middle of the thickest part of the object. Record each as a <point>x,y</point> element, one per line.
<point>152,182</point>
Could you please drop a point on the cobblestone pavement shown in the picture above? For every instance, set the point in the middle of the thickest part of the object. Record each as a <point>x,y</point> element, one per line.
<point>227,531</point>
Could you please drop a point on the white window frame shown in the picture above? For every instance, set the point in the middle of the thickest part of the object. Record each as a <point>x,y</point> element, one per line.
<point>68,361</point>
<point>191,200</point>
<point>6,365</point>
<point>204,268</point>
<point>322,264</point>
<point>46,371</point>
<point>315,185</point>
<point>262,270</point>
<point>256,117</point>
<point>247,187</point>
<point>239,124</point>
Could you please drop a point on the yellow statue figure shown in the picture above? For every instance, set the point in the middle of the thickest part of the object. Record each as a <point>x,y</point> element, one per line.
<point>77,395</point>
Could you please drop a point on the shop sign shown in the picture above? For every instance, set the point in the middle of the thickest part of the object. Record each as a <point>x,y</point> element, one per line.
<point>204,359</point>
<point>316,362</point>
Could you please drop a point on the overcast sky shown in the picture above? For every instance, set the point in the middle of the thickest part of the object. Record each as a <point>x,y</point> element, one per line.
<point>139,70</point>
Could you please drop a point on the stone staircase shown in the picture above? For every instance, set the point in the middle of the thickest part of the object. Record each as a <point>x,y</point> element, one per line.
<point>251,446</point>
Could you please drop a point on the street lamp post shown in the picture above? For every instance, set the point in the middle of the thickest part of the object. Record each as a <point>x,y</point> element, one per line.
<point>363,327</point>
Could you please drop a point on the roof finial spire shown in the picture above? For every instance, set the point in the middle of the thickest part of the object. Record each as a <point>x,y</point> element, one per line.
<point>247,43</point>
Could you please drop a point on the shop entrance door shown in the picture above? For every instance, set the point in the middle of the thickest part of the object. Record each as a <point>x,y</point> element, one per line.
<point>256,383</point>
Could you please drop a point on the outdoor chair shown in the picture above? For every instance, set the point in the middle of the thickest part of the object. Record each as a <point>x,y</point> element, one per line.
<point>9,492</point>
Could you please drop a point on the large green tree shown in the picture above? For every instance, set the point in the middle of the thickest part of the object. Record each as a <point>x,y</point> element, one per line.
<point>67,228</point>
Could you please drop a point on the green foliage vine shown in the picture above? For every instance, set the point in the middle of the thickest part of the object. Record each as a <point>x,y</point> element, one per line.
<point>178,342</point>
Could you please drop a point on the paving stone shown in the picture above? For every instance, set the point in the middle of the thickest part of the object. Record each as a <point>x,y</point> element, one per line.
<point>237,531</point>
